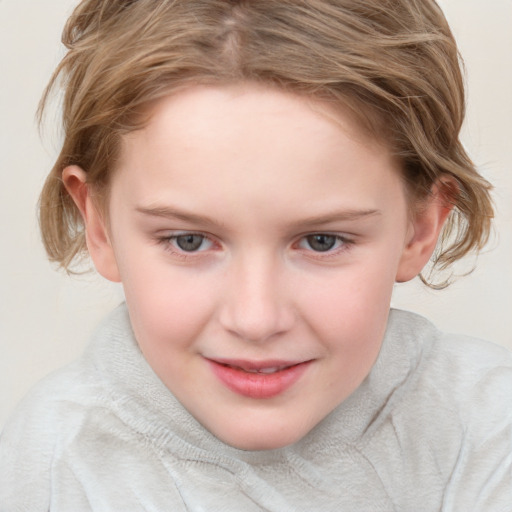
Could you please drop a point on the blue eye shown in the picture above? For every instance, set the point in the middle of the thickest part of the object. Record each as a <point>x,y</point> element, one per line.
<point>321,242</point>
<point>324,242</point>
<point>191,242</point>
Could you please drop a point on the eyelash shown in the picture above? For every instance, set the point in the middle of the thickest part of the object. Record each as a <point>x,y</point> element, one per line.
<point>168,243</point>
<point>344,244</point>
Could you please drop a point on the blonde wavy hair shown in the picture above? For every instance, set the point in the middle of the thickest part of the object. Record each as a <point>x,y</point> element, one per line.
<point>395,63</point>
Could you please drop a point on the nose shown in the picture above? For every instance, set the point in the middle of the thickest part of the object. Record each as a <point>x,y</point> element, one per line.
<point>256,306</point>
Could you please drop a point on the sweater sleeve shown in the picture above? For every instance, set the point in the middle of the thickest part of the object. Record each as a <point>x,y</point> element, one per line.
<point>482,478</point>
<point>65,449</point>
<point>27,445</point>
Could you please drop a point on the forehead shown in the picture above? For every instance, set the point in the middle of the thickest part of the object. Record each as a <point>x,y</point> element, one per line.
<point>202,113</point>
<point>248,142</point>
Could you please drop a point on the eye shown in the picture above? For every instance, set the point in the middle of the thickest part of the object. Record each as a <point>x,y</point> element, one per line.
<point>324,242</point>
<point>321,242</point>
<point>190,242</point>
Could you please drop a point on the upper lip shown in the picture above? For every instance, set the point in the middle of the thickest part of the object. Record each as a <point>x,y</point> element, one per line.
<point>248,365</point>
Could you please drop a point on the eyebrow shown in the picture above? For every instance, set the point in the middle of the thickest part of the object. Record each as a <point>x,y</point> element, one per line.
<point>316,220</point>
<point>168,212</point>
<point>338,216</point>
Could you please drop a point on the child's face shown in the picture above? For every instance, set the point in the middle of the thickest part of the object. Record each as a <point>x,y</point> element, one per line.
<point>258,241</point>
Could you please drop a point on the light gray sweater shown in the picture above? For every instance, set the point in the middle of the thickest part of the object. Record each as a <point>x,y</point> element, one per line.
<point>430,429</point>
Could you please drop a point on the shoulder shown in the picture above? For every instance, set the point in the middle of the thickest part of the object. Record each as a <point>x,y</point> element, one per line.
<point>458,401</point>
<point>470,367</point>
<point>49,415</point>
<point>465,375</point>
<point>447,350</point>
<point>442,370</point>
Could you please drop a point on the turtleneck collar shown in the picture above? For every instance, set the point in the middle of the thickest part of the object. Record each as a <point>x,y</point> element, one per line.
<point>145,404</point>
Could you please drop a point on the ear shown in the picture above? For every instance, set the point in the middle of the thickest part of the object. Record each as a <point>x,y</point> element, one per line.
<point>425,229</point>
<point>96,232</point>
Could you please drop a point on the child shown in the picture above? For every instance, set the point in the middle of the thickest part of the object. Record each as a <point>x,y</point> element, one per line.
<point>258,175</point>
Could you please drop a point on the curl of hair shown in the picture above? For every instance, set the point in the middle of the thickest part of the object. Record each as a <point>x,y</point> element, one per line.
<point>393,62</point>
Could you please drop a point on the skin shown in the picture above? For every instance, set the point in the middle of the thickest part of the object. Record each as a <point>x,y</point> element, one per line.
<point>257,171</point>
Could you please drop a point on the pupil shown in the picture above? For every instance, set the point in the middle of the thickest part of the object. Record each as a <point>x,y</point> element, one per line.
<point>321,243</point>
<point>189,242</point>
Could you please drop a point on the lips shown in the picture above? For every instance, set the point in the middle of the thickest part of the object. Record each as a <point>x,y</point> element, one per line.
<point>258,380</point>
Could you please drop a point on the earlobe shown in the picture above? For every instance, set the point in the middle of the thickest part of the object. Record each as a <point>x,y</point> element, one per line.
<point>96,232</point>
<point>425,229</point>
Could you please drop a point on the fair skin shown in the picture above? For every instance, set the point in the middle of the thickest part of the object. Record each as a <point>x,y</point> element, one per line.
<point>258,236</point>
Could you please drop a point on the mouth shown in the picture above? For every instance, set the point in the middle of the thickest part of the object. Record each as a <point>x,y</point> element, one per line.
<point>266,367</point>
<point>264,379</point>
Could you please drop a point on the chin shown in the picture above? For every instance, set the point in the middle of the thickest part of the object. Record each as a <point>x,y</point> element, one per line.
<point>260,439</point>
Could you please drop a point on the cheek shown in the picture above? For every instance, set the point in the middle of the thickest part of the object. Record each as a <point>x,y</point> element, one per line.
<point>168,307</point>
<point>348,296</point>
<point>348,313</point>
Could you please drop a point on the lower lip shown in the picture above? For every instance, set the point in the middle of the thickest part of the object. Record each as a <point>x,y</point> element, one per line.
<point>258,385</point>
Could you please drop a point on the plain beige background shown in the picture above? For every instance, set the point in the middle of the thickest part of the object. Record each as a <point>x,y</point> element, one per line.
<point>46,317</point>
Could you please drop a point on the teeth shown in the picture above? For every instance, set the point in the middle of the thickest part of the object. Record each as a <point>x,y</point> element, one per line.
<point>266,371</point>
<point>269,370</point>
